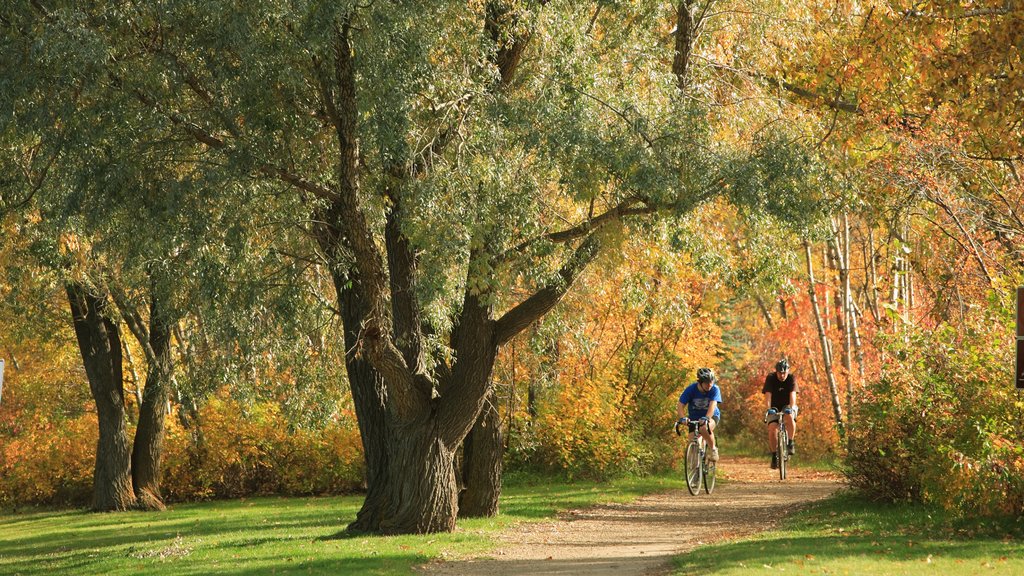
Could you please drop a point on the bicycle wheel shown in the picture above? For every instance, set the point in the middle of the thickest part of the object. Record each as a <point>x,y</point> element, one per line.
<point>783,454</point>
<point>693,468</point>
<point>709,476</point>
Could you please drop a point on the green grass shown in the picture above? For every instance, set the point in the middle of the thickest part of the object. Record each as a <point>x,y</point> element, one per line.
<point>847,535</point>
<point>271,535</point>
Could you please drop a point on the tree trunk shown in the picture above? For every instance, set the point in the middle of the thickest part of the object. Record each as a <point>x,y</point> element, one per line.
<point>369,397</point>
<point>100,345</point>
<point>147,451</point>
<point>482,458</point>
<point>421,496</point>
<point>823,337</point>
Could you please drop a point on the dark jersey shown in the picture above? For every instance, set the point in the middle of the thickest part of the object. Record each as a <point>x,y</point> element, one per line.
<point>779,389</point>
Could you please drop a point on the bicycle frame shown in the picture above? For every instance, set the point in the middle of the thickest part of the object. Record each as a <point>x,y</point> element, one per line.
<point>782,439</point>
<point>697,466</point>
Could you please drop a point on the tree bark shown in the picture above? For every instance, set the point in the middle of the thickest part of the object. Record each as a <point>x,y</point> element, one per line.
<point>685,32</point>
<point>100,344</point>
<point>147,451</point>
<point>482,463</point>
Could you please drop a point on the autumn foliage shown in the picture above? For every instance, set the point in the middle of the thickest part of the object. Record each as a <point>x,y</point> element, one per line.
<point>606,370</point>
<point>240,450</point>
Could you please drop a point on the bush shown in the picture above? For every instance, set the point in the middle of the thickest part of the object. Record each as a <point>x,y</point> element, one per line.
<point>941,425</point>
<point>584,433</point>
<point>242,452</point>
<point>251,451</point>
<point>49,464</point>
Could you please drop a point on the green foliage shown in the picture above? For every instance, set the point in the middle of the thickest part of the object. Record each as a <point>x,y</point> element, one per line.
<point>941,424</point>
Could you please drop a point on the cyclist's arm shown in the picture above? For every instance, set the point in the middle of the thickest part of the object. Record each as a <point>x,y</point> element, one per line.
<point>681,410</point>
<point>792,393</point>
<point>711,409</point>
<point>768,400</point>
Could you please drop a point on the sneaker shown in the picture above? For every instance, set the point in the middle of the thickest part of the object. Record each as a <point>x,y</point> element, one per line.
<point>775,460</point>
<point>714,454</point>
<point>791,448</point>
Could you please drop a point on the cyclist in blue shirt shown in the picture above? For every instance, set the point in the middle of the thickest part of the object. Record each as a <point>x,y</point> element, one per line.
<point>700,400</point>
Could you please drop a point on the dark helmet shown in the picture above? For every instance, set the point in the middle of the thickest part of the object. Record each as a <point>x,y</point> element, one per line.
<point>782,365</point>
<point>705,375</point>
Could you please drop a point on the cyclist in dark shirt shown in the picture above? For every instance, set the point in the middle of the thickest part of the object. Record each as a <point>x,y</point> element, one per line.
<point>780,393</point>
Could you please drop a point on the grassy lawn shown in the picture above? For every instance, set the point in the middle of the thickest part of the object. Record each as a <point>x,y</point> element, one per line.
<point>846,535</point>
<point>270,535</point>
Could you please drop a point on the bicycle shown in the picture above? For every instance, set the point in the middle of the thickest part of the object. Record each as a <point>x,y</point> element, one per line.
<point>782,448</point>
<point>699,467</point>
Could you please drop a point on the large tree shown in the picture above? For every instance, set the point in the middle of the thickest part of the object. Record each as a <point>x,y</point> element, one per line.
<point>445,157</point>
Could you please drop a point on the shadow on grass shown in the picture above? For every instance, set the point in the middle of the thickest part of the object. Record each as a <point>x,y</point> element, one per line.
<point>233,523</point>
<point>82,563</point>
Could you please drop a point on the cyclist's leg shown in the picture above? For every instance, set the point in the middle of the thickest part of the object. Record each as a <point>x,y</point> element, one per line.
<point>707,431</point>
<point>709,436</point>
<point>773,436</point>
<point>791,427</point>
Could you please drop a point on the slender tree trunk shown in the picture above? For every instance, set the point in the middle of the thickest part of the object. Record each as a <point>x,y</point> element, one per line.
<point>765,311</point>
<point>100,344</point>
<point>147,451</point>
<point>134,373</point>
<point>823,337</point>
<point>855,324</point>
<point>841,247</point>
<point>869,260</point>
<point>482,458</point>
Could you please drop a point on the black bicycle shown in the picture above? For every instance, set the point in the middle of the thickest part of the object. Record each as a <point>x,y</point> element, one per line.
<point>699,465</point>
<point>782,448</point>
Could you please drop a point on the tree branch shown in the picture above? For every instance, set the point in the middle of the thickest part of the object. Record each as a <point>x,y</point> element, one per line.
<point>540,303</point>
<point>836,103</point>
<point>626,208</point>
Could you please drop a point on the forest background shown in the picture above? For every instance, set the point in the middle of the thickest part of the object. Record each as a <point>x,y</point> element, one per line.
<point>857,211</point>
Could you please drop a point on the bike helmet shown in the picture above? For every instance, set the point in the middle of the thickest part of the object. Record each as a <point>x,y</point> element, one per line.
<point>705,375</point>
<point>782,365</point>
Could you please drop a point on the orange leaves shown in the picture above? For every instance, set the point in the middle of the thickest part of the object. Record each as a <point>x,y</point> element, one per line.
<point>48,464</point>
<point>252,449</point>
<point>605,368</point>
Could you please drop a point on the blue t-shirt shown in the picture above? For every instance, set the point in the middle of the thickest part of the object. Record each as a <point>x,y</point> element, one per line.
<point>697,402</point>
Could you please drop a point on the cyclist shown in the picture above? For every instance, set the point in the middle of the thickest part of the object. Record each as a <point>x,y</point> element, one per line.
<point>780,393</point>
<point>701,400</point>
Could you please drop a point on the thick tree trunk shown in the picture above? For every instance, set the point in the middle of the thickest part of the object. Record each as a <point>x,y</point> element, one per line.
<point>147,451</point>
<point>482,458</point>
<point>369,397</point>
<point>421,495</point>
<point>100,345</point>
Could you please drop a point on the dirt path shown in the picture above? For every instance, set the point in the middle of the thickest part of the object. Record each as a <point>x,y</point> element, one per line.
<point>642,537</point>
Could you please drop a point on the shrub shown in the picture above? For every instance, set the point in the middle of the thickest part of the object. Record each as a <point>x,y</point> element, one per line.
<point>584,433</point>
<point>240,451</point>
<point>49,464</point>
<point>941,425</point>
<point>244,451</point>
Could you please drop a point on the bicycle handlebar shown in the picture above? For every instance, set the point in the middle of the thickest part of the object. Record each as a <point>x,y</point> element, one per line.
<point>697,423</point>
<point>773,412</point>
